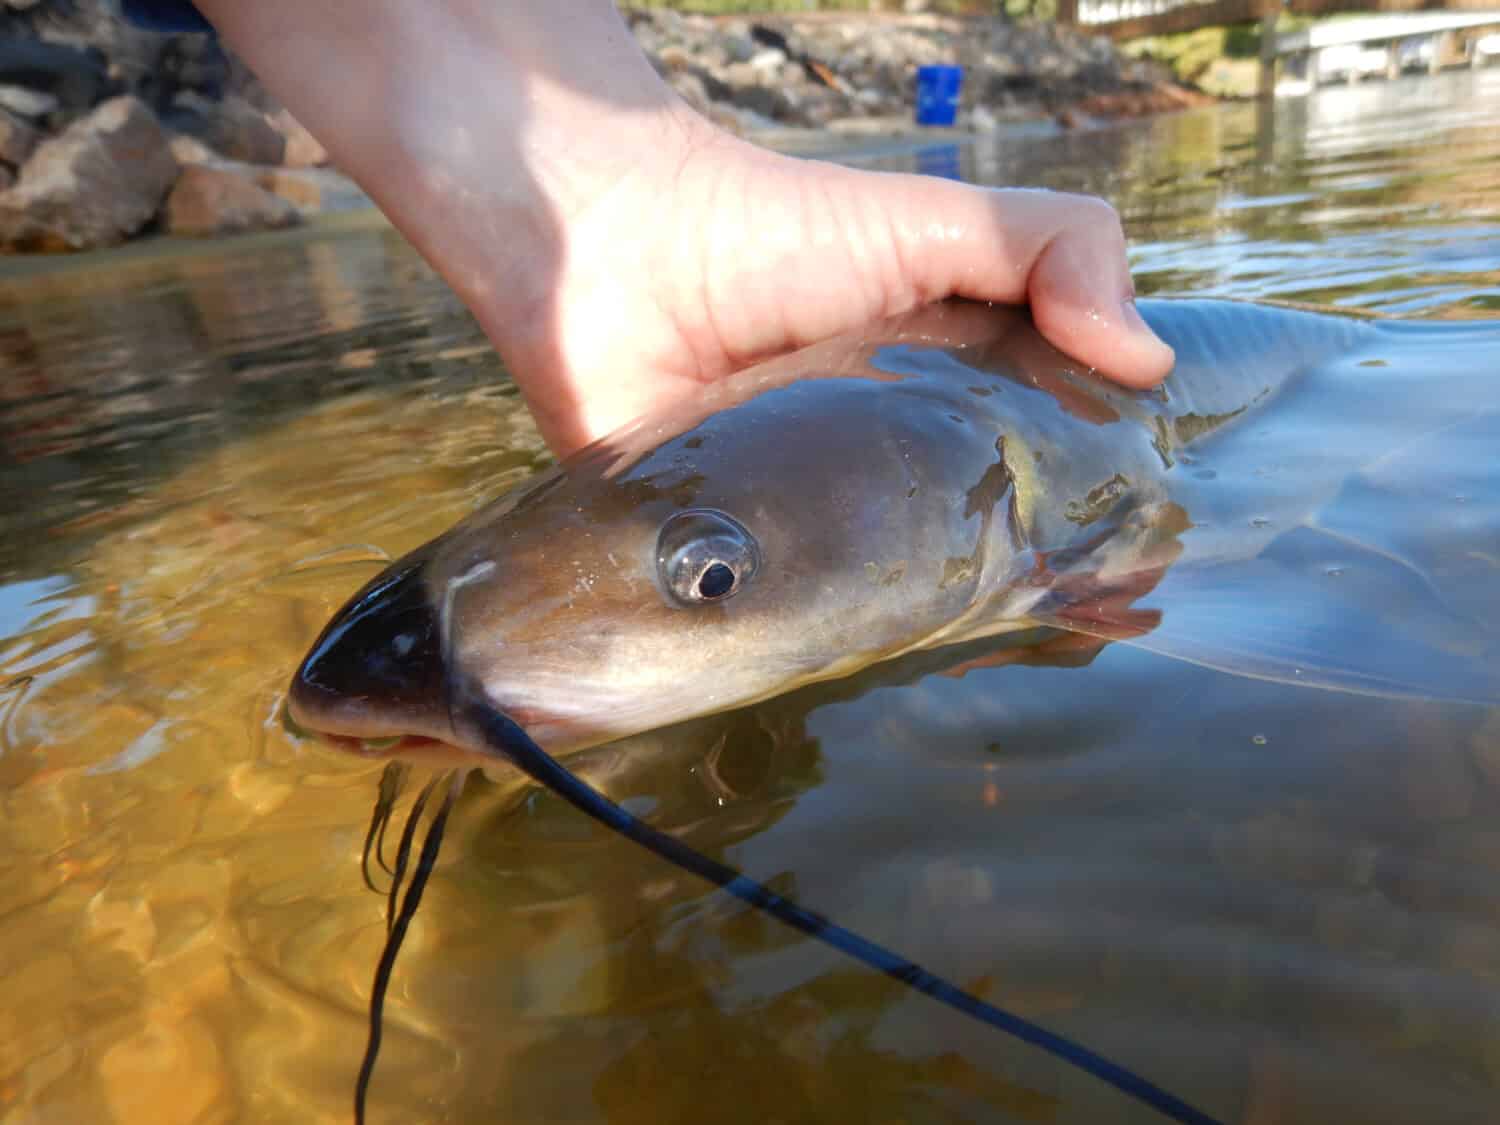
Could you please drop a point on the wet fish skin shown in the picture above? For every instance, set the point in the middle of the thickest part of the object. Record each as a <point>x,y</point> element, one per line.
<point>905,487</point>
<point>948,477</point>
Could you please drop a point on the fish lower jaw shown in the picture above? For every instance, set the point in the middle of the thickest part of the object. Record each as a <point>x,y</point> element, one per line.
<point>365,732</point>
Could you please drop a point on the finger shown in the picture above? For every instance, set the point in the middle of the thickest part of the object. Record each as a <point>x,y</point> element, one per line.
<point>1064,254</point>
<point>1083,299</point>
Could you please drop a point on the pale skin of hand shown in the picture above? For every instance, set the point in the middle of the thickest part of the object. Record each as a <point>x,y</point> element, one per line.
<point>617,247</point>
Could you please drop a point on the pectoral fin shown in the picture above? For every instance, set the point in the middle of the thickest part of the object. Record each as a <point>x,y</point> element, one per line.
<point>1095,586</point>
<point>1312,609</point>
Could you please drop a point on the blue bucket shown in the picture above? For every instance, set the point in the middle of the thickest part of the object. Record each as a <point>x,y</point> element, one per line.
<point>937,94</point>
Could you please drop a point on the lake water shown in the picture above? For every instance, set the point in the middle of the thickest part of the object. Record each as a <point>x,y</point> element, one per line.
<point>1280,904</point>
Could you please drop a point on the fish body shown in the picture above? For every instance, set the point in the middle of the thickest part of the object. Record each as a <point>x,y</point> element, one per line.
<point>939,477</point>
<point>915,490</point>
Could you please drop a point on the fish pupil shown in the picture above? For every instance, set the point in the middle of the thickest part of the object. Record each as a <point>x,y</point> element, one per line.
<point>704,556</point>
<point>716,581</point>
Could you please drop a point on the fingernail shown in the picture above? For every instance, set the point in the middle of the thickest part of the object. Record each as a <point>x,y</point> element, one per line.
<point>1146,338</point>
<point>1133,318</point>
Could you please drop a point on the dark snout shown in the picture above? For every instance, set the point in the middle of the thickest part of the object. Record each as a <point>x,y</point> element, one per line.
<point>379,670</point>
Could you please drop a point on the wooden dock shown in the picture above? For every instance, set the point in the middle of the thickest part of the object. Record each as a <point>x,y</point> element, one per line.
<point>1167,17</point>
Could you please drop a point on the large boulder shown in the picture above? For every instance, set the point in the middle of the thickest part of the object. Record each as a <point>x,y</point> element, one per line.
<point>232,127</point>
<point>97,183</point>
<point>208,201</point>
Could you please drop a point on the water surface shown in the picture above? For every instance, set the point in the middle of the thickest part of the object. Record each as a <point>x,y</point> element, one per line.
<point>1280,904</point>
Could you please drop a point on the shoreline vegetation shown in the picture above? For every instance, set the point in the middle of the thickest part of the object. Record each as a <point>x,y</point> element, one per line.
<point>109,133</point>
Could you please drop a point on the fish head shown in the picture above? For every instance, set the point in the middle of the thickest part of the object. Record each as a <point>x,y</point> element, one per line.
<point>786,531</point>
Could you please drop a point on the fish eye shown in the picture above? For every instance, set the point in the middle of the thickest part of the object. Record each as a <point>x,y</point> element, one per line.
<point>704,556</point>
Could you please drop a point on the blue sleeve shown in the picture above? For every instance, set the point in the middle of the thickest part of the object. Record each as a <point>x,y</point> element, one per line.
<point>164,15</point>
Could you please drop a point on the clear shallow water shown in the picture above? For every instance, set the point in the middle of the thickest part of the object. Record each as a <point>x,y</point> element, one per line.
<point>1283,905</point>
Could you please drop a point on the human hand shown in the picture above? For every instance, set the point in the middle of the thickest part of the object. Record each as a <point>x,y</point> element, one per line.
<point>710,257</point>
<point>615,245</point>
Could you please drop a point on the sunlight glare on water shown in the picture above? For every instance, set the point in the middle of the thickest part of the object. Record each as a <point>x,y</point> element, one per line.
<point>1280,904</point>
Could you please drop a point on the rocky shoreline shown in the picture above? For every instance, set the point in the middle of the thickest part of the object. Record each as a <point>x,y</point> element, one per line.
<point>838,70</point>
<point>108,132</point>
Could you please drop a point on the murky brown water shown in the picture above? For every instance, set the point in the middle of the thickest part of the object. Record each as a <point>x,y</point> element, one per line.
<point>1283,905</point>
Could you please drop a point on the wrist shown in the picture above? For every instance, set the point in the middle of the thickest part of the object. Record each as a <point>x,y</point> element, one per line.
<point>483,128</point>
<point>519,190</point>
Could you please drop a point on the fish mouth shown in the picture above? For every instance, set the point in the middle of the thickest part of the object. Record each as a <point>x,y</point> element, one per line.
<point>386,746</point>
<point>379,670</point>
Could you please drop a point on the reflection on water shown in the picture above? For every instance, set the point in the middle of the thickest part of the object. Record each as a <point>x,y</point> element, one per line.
<point>1281,904</point>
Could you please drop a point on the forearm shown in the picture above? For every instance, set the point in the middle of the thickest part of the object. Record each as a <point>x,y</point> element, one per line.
<point>481,127</point>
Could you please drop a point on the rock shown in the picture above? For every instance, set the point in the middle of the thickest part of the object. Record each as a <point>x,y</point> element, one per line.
<point>766,36</point>
<point>207,201</point>
<point>1014,70</point>
<point>17,139</point>
<point>193,63</point>
<point>77,77</point>
<point>190,150</point>
<point>739,47</point>
<point>820,106</point>
<point>1163,97</point>
<point>670,60</point>
<point>767,101</point>
<point>98,182</point>
<point>768,61</point>
<point>313,191</point>
<point>26,102</point>
<point>740,75</point>
<point>303,150</point>
<point>763,75</point>
<point>233,127</point>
